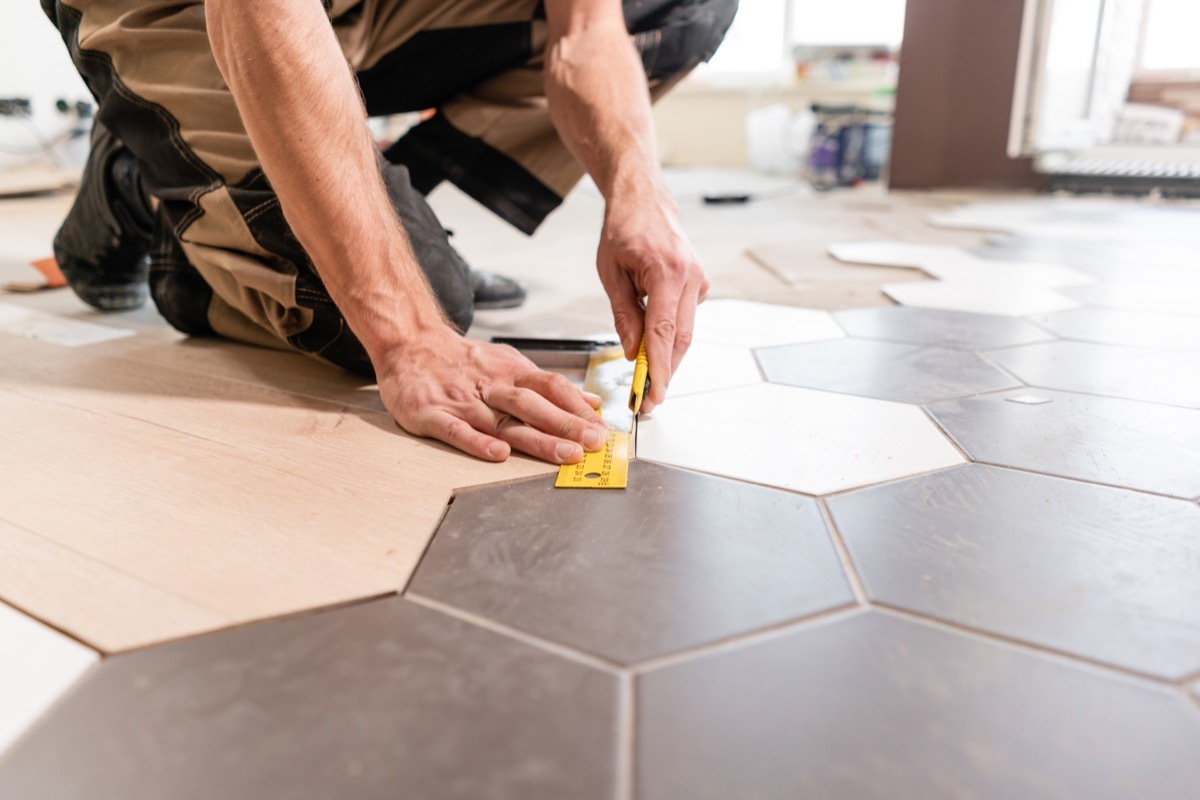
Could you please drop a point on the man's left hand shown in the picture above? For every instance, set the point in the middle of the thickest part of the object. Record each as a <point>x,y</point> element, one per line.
<point>654,282</point>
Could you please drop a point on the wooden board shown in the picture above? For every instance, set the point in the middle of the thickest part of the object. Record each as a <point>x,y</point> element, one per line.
<point>181,502</point>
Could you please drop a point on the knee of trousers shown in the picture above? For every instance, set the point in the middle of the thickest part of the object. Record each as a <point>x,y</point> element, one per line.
<point>689,34</point>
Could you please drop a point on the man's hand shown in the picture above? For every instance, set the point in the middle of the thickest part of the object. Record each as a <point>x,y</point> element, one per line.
<point>654,283</point>
<point>488,400</point>
<point>600,104</point>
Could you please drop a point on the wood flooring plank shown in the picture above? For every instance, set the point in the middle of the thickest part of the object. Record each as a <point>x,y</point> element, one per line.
<point>235,496</point>
<point>37,573</point>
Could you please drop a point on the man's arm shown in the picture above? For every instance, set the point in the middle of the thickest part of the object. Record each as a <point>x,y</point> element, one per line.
<point>596,88</point>
<point>302,110</point>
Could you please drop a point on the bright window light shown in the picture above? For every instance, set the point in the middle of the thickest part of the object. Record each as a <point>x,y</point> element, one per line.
<point>1171,35</point>
<point>759,43</point>
<point>847,22</point>
<point>755,43</point>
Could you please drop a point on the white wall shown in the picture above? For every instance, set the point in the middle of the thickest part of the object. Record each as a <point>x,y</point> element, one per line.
<point>34,64</point>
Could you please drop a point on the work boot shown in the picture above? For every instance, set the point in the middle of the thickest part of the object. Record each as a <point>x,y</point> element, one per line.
<point>492,291</point>
<point>495,291</point>
<point>103,245</point>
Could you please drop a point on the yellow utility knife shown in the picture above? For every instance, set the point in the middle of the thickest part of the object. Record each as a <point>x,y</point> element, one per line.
<point>641,380</point>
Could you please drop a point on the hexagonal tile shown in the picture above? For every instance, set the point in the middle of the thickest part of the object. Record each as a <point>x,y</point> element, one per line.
<point>1077,220</point>
<point>802,439</point>
<point>37,665</point>
<point>884,370</point>
<point>1136,297</point>
<point>359,702</point>
<point>1115,442</point>
<point>908,255</point>
<point>1134,373</point>
<point>674,561</point>
<point>1126,328</point>
<point>957,265</point>
<point>1143,263</point>
<point>709,367</point>
<point>744,324</point>
<point>1107,574</point>
<point>877,707</point>
<point>980,298</point>
<point>929,326</point>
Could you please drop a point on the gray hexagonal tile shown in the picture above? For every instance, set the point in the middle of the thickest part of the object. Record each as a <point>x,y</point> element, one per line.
<point>801,439</point>
<point>927,326</point>
<point>1103,573</point>
<point>1124,328</point>
<point>877,707</point>
<point>674,561</point>
<point>884,370</point>
<point>1155,376</point>
<point>1116,442</point>
<point>359,702</point>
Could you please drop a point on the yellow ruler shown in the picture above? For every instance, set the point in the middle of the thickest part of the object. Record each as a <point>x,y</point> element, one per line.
<point>621,387</point>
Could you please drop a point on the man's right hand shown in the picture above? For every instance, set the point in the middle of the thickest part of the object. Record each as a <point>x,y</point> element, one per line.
<point>487,400</point>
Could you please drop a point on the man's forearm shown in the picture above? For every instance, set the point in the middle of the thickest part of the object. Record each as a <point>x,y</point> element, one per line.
<point>596,89</point>
<point>302,111</point>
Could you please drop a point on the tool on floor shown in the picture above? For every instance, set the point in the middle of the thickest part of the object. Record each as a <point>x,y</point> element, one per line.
<point>621,387</point>
<point>50,272</point>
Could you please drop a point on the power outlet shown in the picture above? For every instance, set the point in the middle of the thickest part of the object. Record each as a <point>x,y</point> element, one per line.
<point>15,107</point>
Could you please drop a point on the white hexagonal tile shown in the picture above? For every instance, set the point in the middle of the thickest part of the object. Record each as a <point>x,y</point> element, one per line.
<point>980,298</point>
<point>37,664</point>
<point>800,439</point>
<point>957,265</point>
<point>709,367</point>
<point>1031,274</point>
<point>741,323</point>
<point>891,254</point>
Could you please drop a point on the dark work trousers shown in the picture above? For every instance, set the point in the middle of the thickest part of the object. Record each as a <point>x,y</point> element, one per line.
<point>225,261</point>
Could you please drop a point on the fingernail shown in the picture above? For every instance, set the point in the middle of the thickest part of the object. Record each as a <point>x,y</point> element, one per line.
<point>593,439</point>
<point>568,453</point>
<point>496,450</point>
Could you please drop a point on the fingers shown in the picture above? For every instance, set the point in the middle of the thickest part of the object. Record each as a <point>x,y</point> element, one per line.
<point>627,314</point>
<point>549,431</point>
<point>563,394</point>
<point>662,327</point>
<point>457,432</point>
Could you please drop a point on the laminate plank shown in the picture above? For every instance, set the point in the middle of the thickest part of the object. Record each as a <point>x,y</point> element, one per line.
<point>38,573</point>
<point>239,497</point>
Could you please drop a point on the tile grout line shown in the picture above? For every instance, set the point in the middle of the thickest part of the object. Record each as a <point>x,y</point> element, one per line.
<point>1193,692</point>
<point>748,639</point>
<point>626,736</point>
<point>982,355</point>
<point>545,645</point>
<point>1119,397</point>
<point>991,637</point>
<point>1084,481</point>
<point>945,433</point>
<point>839,544</point>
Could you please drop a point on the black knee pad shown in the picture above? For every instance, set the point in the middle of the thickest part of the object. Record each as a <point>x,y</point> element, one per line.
<point>689,33</point>
<point>181,295</point>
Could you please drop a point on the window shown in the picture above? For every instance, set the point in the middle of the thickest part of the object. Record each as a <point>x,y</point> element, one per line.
<point>762,37</point>
<point>1170,35</point>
